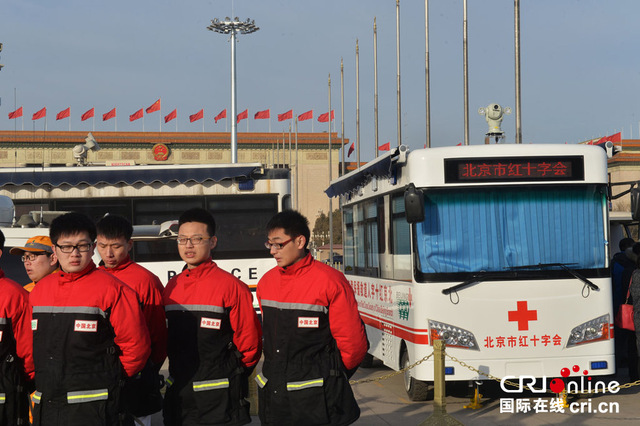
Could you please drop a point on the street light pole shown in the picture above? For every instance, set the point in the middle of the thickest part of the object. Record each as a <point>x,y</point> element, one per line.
<point>232,28</point>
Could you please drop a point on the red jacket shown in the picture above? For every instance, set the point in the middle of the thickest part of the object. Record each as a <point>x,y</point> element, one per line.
<point>314,283</point>
<point>14,306</point>
<point>149,290</point>
<point>94,288</point>
<point>209,285</point>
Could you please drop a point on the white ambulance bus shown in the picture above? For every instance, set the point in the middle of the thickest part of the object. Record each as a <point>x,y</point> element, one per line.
<point>499,250</point>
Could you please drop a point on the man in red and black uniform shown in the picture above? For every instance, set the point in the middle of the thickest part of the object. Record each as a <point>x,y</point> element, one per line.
<point>214,334</point>
<point>141,393</point>
<point>88,333</point>
<point>314,338</point>
<point>16,358</point>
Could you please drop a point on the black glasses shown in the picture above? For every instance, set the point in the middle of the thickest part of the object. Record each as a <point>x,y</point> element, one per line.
<point>277,246</point>
<point>194,240</point>
<point>30,256</point>
<point>82,248</point>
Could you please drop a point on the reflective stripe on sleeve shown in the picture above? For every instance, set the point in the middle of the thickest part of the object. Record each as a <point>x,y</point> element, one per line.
<point>314,383</point>
<point>189,308</point>
<point>35,397</point>
<point>92,310</point>
<point>3,398</point>
<point>3,321</point>
<point>296,306</point>
<point>87,396</point>
<point>206,385</point>
<point>261,380</point>
<point>169,381</point>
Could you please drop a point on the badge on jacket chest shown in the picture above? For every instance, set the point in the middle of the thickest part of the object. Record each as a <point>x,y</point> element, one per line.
<point>211,323</point>
<point>308,322</point>
<point>83,325</point>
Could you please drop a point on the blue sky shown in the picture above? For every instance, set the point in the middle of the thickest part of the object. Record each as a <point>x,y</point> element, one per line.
<point>580,67</point>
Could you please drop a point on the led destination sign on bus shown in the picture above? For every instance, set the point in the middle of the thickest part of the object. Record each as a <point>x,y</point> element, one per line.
<point>511,169</point>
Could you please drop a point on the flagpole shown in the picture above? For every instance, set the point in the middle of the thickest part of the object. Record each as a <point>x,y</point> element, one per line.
<point>160,117</point>
<point>358,103</point>
<point>465,71</point>
<point>94,121</point>
<point>116,117</point>
<point>297,171</point>
<point>375,84</point>
<point>342,113</point>
<point>426,73</point>
<point>69,122</point>
<point>143,122</point>
<point>398,72</point>
<point>330,177</point>
<point>289,145</point>
<point>202,121</point>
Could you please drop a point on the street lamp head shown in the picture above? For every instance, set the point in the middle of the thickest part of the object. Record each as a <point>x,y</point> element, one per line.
<point>237,26</point>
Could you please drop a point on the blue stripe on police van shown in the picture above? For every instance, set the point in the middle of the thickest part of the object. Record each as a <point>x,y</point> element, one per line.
<point>195,308</point>
<point>91,310</point>
<point>294,306</point>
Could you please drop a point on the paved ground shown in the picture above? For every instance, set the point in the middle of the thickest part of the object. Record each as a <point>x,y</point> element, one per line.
<point>386,403</point>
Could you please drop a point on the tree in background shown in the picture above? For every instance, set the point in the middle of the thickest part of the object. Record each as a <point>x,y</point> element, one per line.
<point>321,229</point>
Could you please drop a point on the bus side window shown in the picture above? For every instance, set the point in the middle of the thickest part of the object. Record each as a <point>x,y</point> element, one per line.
<point>400,240</point>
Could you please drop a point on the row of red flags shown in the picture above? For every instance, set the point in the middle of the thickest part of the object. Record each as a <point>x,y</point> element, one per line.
<point>266,114</point>
<point>615,138</point>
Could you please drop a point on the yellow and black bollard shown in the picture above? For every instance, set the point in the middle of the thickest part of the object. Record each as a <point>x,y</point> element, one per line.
<point>439,416</point>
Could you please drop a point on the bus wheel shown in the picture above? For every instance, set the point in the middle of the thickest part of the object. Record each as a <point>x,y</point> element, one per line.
<point>417,390</point>
<point>367,361</point>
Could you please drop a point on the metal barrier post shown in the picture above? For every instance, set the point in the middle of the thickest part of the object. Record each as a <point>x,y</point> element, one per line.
<point>439,416</point>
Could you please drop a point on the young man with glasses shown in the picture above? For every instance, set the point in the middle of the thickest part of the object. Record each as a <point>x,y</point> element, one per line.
<point>88,333</point>
<point>141,393</point>
<point>38,259</point>
<point>314,338</point>
<point>214,333</point>
<point>16,360</point>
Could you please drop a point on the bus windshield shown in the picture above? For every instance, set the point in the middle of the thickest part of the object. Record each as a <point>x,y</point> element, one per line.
<point>469,230</point>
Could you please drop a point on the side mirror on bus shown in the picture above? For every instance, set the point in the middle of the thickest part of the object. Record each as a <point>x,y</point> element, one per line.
<point>635,203</point>
<point>413,204</point>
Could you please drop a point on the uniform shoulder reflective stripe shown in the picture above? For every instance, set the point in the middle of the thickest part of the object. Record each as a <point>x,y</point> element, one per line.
<point>92,310</point>
<point>78,397</point>
<point>35,397</point>
<point>169,381</point>
<point>314,383</point>
<point>261,380</point>
<point>296,306</point>
<point>191,308</point>
<point>206,385</point>
<point>3,321</point>
<point>3,398</point>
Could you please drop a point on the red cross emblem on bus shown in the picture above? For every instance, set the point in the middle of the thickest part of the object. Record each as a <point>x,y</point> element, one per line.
<point>523,315</point>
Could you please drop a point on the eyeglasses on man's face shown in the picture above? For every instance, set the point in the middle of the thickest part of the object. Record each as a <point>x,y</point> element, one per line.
<point>277,246</point>
<point>195,240</point>
<point>30,257</point>
<point>82,248</point>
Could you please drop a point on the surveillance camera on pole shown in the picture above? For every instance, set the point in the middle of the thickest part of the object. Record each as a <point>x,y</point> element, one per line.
<point>494,114</point>
<point>80,151</point>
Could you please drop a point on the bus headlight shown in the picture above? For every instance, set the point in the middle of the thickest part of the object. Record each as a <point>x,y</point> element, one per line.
<point>591,331</point>
<point>453,336</point>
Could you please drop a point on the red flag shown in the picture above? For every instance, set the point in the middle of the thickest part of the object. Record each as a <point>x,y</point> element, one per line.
<point>109,115</point>
<point>197,116</point>
<point>385,147</point>
<point>262,114</point>
<point>244,114</point>
<point>88,114</point>
<point>306,116</point>
<point>136,115</point>
<point>173,114</point>
<point>154,107</point>
<point>63,114</point>
<point>323,118</point>
<point>613,138</point>
<point>351,148</point>
<point>15,114</point>
<point>285,115</point>
<point>223,114</point>
<point>38,115</point>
